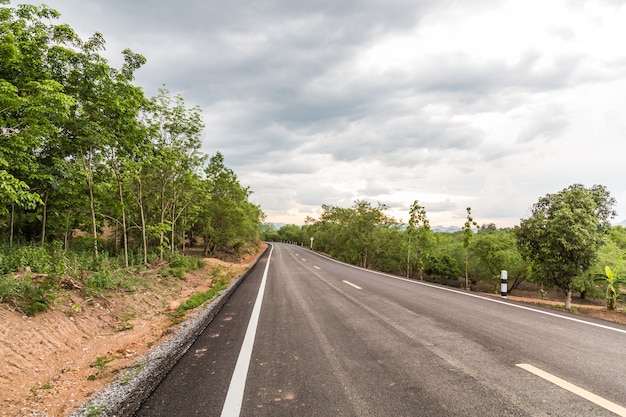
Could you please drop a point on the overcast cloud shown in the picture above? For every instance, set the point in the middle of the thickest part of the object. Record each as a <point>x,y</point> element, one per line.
<point>489,104</point>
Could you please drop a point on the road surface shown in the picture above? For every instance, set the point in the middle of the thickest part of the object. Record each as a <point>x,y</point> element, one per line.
<point>326,339</point>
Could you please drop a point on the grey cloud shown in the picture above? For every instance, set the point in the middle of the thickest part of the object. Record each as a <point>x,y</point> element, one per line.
<point>283,101</point>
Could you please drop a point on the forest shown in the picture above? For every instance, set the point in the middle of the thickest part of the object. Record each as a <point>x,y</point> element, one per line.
<point>95,177</point>
<point>567,244</point>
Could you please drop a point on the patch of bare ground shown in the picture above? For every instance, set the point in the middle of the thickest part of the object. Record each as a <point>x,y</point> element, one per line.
<point>585,307</point>
<point>52,363</point>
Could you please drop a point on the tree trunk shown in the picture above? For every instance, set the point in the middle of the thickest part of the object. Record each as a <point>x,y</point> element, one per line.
<point>66,235</point>
<point>144,241</point>
<point>408,259</point>
<point>184,227</point>
<point>92,208</point>
<point>466,274</point>
<point>11,227</point>
<point>124,233</point>
<point>568,298</point>
<point>173,231</point>
<point>163,209</point>
<point>44,217</point>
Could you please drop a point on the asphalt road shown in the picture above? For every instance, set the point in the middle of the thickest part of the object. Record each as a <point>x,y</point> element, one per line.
<point>334,340</point>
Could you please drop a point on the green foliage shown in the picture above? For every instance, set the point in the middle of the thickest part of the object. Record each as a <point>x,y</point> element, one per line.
<point>94,410</point>
<point>42,260</point>
<point>564,234</point>
<point>200,298</point>
<point>102,281</point>
<point>84,152</point>
<point>226,219</point>
<point>186,263</point>
<point>28,298</point>
<point>423,239</point>
<point>613,284</point>
<point>492,251</point>
<point>443,266</point>
<point>355,235</point>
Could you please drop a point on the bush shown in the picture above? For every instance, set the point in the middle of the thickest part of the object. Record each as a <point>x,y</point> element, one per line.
<point>28,298</point>
<point>185,263</point>
<point>102,281</point>
<point>42,260</point>
<point>443,265</point>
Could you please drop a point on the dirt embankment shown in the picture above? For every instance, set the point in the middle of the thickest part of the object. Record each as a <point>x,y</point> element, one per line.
<point>52,363</point>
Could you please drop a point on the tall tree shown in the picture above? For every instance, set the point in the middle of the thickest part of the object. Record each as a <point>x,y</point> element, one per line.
<point>175,132</point>
<point>468,234</point>
<point>32,102</point>
<point>419,229</point>
<point>227,219</point>
<point>564,233</point>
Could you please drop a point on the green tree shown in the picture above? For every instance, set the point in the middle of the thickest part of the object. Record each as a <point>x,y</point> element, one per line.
<point>355,230</point>
<point>494,250</point>
<point>564,233</point>
<point>174,130</point>
<point>227,219</point>
<point>468,234</point>
<point>419,230</point>
<point>32,101</point>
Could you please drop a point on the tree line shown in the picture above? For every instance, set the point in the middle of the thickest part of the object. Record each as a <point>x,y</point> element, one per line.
<point>566,243</point>
<point>83,152</point>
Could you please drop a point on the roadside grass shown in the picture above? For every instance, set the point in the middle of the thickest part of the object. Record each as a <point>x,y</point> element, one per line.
<point>32,278</point>
<point>219,283</point>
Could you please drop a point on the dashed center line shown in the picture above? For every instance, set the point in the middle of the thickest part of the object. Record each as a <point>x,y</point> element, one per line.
<point>352,285</point>
<point>316,267</point>
<point>589,396</point>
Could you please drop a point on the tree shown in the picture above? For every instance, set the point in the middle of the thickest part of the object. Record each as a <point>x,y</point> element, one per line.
<point>32,101</point>
<point>355,230</point>
<point>564,233</point>
<point>492,251</point>
<point>468,234</point>
<point>175,131</point>
<point>419,227</point>
<point>226,219</point>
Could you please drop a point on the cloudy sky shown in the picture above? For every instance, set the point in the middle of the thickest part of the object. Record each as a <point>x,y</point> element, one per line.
<point>489,103</point>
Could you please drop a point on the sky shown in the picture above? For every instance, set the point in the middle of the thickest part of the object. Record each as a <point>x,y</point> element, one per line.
<point>488,104</point>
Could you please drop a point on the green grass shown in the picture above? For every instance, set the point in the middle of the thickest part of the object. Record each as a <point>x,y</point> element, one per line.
<point>199,298</point>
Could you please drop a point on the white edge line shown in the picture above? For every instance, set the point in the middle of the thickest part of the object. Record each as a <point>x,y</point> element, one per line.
<point>589,396</point>
<point>493,300</point>
<point>234,397</point>
<point>352,285</point>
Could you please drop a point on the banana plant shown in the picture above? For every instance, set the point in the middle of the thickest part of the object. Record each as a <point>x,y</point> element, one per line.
<point>612,288</point>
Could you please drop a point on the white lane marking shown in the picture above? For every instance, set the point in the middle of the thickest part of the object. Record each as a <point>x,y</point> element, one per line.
<point>351,284</point>
<point>303,260</point>
<point>316,267</point>
<point>493,300</point>
<point>589,396</point>
<point>234,397</point>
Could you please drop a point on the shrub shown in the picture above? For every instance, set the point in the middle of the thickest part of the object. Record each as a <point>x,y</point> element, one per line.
<point>21,292</point>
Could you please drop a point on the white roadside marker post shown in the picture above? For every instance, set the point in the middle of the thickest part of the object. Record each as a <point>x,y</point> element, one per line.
<point>503,283</point>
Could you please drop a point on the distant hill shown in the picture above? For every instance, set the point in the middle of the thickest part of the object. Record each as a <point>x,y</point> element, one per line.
<point>444,229</point>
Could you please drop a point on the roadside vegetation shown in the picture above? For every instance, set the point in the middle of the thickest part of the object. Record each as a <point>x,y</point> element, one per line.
<point>567,244</point>
<point>97,181</point>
